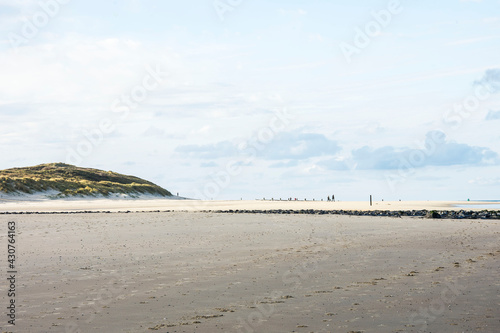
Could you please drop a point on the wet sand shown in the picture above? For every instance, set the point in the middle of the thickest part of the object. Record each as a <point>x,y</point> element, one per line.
<point>206,272</point>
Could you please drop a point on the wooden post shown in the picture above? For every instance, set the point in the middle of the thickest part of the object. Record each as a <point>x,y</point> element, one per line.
<point>370,199</point>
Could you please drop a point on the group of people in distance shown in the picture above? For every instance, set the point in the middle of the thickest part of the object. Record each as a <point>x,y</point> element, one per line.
<point>296,199</point>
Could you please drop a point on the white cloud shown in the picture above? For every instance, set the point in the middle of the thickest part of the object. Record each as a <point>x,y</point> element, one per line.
<point>292,12</point>
<point>485,181</point>
<point>438,152</point>
<point>283,146</point>
<point>76,69</point>
<point>491,19</point>
<point>316,37</point>
<point>20,4</point>
<point>472,40</point>
<point>490,79</point>
<point>493,115</point>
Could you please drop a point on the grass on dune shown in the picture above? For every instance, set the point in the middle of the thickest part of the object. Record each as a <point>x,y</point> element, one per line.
<point>71,181</point>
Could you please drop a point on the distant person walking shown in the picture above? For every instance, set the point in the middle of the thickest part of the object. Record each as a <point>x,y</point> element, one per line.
<point>333,198</point>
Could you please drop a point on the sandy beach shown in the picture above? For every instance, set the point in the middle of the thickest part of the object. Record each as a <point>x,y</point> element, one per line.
<point>315,125</point>
<point>205,272</point>
<point>12,205</point>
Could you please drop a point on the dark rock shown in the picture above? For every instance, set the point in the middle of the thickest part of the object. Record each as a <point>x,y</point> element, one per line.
<point>433,215</point>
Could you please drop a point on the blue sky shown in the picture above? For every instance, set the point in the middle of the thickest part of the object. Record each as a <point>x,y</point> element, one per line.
<point>249,99</point>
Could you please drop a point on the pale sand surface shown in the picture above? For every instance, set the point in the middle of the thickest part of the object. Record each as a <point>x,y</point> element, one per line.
<point>206,272</point>
<point>197,205</point>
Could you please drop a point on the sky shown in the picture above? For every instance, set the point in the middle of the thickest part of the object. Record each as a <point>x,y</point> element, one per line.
<point>240,99</point>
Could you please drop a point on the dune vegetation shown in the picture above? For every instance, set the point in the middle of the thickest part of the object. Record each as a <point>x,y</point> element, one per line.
<point>64,180</point>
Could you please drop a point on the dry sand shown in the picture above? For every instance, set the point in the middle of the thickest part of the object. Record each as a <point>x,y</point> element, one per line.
<point>206,272</point>
<point>197,205</point>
